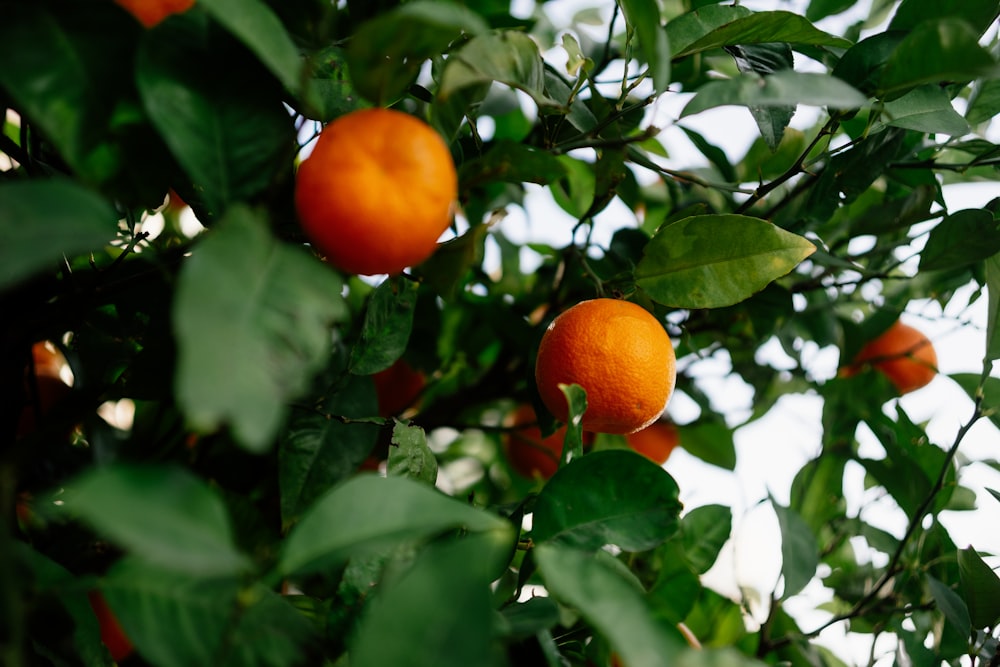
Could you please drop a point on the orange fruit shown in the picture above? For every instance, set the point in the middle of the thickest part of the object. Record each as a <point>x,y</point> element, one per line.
<point>397,388</point>
<point>619,353</point>
<point>377,191</point>
<point>119,645</point>
<point>530,454</point>
<point>904,354</point>
<point>45,389</point>
<point>656,441</point>
<point>151,12</point>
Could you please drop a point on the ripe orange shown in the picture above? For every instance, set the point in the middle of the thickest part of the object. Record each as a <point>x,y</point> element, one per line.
<point>656,441</point>
<point>119,645</point>
<point>904,354</point>
<point>151,12</point>
<point>619,353</point>
<point>529,454</point>
<point>377,191</point>
<point>397,388</point>
<point>45,389</point>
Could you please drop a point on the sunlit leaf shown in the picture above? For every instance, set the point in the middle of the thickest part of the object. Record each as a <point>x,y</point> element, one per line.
<point>760,28</point>
<point>710,261</point>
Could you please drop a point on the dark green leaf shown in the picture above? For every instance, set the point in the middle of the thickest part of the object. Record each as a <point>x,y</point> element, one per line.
<point>715,155</point>
<point>643,16</point>
<point>368,513</point>
<point>163,514</point>
<point>255,339</point>
<point>329,92</point>
<point>43,221</point>
<point>766,59</point>
<point>525,619</point>
<point>607,497</point>
<point>675,592</point>
<point>799,551</point>
<point>711,261</point>
<point>820,9</point>
<point>610,603</point>
<point>993,324</point>
<point>990,391</point>
<point>984,101</point>
<point>512,162</point>
<point>925,109</point>
<point>704,531</point>
<point>962,238</point>
<point>686,29</point>
<point>980,589</point>
<point>910,13</point>
<point>409,455</point>
<point>757,28</point>
<point>817,493</point>
<point>712,442</point>
<point>387,325</point>
<point>935,52</point>
<point>781,89</point>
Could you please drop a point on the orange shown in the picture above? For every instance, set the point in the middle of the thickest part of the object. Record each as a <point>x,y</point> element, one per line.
<point>904,354</point>
<point>619,353</point>
<point>119,645</point>
<point>397,388</point>
<point>45,389</point>
<point>151,12</point>
<point>530,454</point>
<point>656,441</point>
<point>377,191</point>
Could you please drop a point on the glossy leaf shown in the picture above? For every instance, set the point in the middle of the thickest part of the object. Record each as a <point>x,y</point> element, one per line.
<point>925,109</point>
<point>781,89</point>
<point>799,551</point>
<point>980,588</point>
<point>936,51</point>
<point>409,455</point>
<point>163,514</point>
<point>254,340</point>
<point>756,28</point>
<point>368,513</point>
<point>387,324</point>
<point>686,266</point>
<point>960,239</point>
<point>607,497</point>
<point>576,400</point>
<point>610,603</point>
<point>43,221</point>
<point>704,531</point>
<point>643,16</point>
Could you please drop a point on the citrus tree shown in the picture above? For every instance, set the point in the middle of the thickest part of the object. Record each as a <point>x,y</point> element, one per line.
<point>253,416</point>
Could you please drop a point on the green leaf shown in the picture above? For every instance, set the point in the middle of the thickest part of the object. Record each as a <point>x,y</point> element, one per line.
<point>820,9</point>
<point>980,588</point>
<point>677,587</point>
<point>926,109</point>
<point>607,497</point>
<point>704,531</point>
<point>316,452</point>
<point>934,52</point>
<point>951,605</point>
<point>910,13</point>
<point>576,399</point>
<point>711,261</point>
<point>960,239</point>
<point>511,162</point>
<point>970,382</point>
<point>229,133</point>
<point>984,101</point>
<point>368,513</point>
<point>760,28</point>
<point>386,53</point>
<point>574,193</point>
<point>43,221</point>
<point>440,610</point>
<point>712,442</point>
<point>643,16</point>
<point>161,513</point>
<point>610,603</point>
<point>525,619</point>
<point>817,492</point>
<point>993,324</point>
<point>766,59</point>
<point>254,340</point>
<point>329,91</point>
<point>409,455</point>
<point>799,551</point>
<point>387,325</point>
<point>687,29</point>
<point>508,57</point>
<point>715,155</point>
<point>781,89</point>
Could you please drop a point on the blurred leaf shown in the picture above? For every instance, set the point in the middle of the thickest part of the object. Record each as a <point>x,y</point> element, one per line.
<point>984,101</point>
<point>820,9</point>
<point>911,13</point>
<point>213,111</point>
<point>643,16</point>
<point>961,238</point>
<point>781,89</point>
<point>525,619</point>
<point>993,324</point>
<point>990,391</point>
<point>507,57</point>
<point>610,603</point>
<point>512,162</point>
<point>607,497</point>
<point>161,513</point>
<point>409,455</point>
<point>758,28</point>
<point>799,551</point>
<point>254,340</point>
<point>674,593</point>
<point>685,265</point>
<point>575,191</point>
<point>935,52</point>
<point>704,531</point>
<point>329,91</point>
<point>386,53</point>
<point>980,588</point>
<point>817,493</point>
<point>926,109</point>
<point>43,221</point>
<point>712,442</point>
<point>861,65</point>
<point>368,513</point>
<point>715,155</point>
<point>319,449</point>
<point>440,610</point>
<point>387,325</point>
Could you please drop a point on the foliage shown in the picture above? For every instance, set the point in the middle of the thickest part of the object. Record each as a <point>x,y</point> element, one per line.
<point>224,518</point>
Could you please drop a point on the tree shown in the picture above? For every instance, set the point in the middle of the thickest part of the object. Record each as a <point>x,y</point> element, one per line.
<point>228,518</point>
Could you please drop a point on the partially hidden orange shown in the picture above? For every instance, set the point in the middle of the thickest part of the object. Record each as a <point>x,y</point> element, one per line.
<point>118,643</point>
<point>619,353</point>
<point>903,353</point>
<point>44,387</point>
<point>656,441</point>
<point>151,12</point>
<point>377,191</point>
<point>529,453</point>
<point>398,387</point>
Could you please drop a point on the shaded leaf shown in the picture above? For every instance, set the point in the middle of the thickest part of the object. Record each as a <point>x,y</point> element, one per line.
<point>511,162</point>
<point>910,13</point>
<point>934,52</point>
<point>525,619</point>
<point>711,261</point>
<point>758,28</point>
<point>712,442</point>
<point>254,340</point>
<point>607,497</point>
<point>704,531</point>
<point>781,89</point>
<point>980,588</point>
<point>409,455</point>
<point>962,238</point>
<point>766,59</point>
<point>643,16</point>
<point>576,401</point>
<point>386,328</point>
<point>990,390</point>
<point>799,551</point>
<point>925,109</point>
<point>993,325</point>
